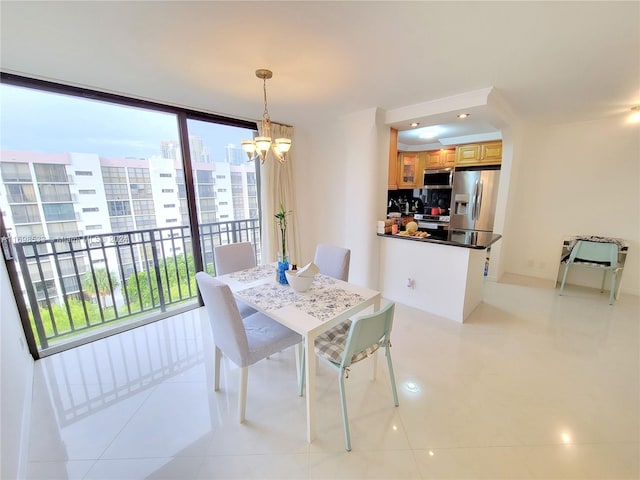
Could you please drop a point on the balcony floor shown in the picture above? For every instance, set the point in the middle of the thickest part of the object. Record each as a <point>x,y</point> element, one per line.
<point>532,386</point>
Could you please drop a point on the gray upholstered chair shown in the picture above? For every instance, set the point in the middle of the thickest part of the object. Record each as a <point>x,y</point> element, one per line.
<point>333,261</point>
<point>244,341</point>
<point>599,255</point>
<point>352,341</point>
<point>232,258</point>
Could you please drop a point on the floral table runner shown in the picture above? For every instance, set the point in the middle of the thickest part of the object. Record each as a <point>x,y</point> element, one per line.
<point>324,300</point>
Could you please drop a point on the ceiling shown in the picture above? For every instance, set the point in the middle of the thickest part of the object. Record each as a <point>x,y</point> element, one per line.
<point>551,62</point>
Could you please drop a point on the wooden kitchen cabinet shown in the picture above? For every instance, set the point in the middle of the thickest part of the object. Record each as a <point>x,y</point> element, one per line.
<point>393,160</point>
<point>488,153</point>
<point>440,159</point>
<point>409,170</point>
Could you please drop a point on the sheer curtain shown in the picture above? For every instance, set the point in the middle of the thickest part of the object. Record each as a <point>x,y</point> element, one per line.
<point>277,186</point>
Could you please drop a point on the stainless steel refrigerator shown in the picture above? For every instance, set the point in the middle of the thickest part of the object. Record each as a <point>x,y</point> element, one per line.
<point>473,204</point>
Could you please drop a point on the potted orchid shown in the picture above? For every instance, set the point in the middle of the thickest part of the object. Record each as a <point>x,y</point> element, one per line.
<point>283,259</point>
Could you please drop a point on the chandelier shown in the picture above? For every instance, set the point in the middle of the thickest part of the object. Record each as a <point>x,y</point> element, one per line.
<point>260,146</point>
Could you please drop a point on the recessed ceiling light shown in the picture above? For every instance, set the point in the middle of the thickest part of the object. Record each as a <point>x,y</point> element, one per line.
<point>415,124</point>
<point>463,115</point>
<point>635,114</point>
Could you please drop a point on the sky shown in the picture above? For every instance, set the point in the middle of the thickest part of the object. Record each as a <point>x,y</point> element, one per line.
<point>46,122</point>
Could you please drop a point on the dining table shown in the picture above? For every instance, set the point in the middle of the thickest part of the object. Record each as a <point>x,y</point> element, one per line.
<point>325,304</point>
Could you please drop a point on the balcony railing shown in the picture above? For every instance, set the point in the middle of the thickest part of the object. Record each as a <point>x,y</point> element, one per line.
<point>77,285</point>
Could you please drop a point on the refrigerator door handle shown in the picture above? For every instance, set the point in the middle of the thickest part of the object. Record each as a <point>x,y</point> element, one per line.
<point>474,201</point>
<point>478,204</point>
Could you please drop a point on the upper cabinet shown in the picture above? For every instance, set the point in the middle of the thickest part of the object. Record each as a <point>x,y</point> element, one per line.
<point>489,153</point>
<point>393,160</point>
<point>439,159</point>
<point>410,170</point>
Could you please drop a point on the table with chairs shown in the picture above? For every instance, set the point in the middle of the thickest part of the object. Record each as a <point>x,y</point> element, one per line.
<point>322,318</point>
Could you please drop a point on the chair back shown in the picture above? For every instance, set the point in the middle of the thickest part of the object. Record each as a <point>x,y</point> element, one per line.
<point>233,257</point>
<point>333,261</point>
<point>229,333</point>
<point>595,252</point>
<point>367,331</point>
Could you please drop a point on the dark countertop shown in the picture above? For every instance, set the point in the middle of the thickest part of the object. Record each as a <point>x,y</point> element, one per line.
<point>480,243</point>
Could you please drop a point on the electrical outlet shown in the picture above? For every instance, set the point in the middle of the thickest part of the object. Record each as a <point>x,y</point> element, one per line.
<point>410,283</point>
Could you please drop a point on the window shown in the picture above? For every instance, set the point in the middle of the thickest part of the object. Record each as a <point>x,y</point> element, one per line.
<point>139,175</point>
<point>116,191</point>
<point>56,212</point>
<point>15,172</point>
<point>121,224</point>
<point>114,175</point>
<point>118,208</point>
<point>206,191</point>
<point>50,173</point>
<point>145,221</point>
<point>47,199</point>
<point>25,213</point>
<point>65,229</point>
<point>140,190</point>
<point>204,176</point>
<point>20,193</point>
<point>143,207</point>
<point>54,192</point>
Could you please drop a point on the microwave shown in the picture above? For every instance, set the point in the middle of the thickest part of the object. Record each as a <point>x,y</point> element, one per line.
<point>440,178</point>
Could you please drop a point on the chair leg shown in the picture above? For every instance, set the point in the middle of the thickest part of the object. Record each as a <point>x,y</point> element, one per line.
<point>345,419</point>
<point>604,277</point>
<point>564,277</point>
<point>242,394</point>
<point>374,366</point>
<point>301,372</point>
<point>392,378</point>
<point>613,288</point>
<point>217,358</point>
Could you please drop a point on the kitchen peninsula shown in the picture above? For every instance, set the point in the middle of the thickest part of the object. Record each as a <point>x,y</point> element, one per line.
<point>443,277</point>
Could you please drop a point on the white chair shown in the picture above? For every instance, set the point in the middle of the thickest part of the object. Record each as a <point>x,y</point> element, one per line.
<point>333,261</point>
<point>232,258</point>
<point>599,255</point>
<point>244,341</point>
<point>352,341</point>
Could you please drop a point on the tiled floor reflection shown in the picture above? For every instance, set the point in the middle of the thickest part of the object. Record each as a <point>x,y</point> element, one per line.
<point>533,386</point>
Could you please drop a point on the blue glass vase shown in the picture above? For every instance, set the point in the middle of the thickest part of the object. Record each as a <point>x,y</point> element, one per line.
<point>283,265</point>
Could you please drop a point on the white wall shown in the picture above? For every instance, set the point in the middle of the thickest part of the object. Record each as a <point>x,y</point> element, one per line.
<point>566,180</point>
<point>574,179</point>
<point>16,386</point>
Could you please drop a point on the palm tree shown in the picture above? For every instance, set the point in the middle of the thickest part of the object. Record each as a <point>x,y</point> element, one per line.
<point>104,287</point>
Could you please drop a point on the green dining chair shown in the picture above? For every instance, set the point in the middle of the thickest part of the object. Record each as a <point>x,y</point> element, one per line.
<point>350,342</point>
<point>599,255</point>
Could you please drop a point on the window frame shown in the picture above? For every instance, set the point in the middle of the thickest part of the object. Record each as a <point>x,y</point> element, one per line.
<point>182,115</point>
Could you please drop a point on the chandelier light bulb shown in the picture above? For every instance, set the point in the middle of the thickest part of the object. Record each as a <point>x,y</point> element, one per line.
<point>260,146</point>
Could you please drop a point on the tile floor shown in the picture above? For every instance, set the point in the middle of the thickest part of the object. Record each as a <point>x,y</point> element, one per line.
<point>532,386</point>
